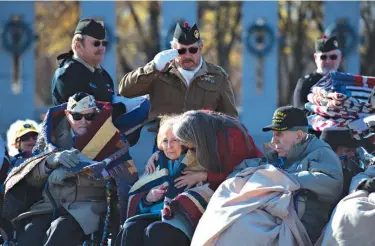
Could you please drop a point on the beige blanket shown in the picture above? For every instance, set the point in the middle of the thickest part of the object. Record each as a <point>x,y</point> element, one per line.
<point>253,208</point>
<point>352,222</point>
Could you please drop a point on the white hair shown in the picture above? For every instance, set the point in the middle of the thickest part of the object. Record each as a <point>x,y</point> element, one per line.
<point>11,134</point>
<point>77,38</point>
<point>174,43</point>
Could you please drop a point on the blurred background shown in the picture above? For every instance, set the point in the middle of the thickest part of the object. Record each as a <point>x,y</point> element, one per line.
<point>224,25</point>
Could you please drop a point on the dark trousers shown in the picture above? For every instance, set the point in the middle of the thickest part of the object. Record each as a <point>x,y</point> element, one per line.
<point>151,232</point>
<point>41,230</point>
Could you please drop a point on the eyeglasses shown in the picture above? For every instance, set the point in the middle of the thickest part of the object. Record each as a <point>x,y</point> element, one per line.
<point>331,57</point>
<point>192,50</point>
<point>27,136</point>
<point>77,116</point>
<point>97,43</point>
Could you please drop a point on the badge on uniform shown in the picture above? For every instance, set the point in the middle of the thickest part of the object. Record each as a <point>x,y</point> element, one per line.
<point>208,78</point>
<point>93,85</point>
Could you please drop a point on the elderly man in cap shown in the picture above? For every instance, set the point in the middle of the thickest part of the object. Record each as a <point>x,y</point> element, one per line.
<point>327,58</point>
<point>309,160</point>
<point>76,151</point>
<point>344,144</point>
<point>179,79</point>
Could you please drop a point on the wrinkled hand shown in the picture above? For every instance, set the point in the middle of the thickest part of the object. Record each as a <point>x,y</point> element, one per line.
<point>150,167</point>
<point>156,194</point>
<point>368,185</point>
<point>67,158</point>
<point>59,176</point>
<point>190,179</point>
<point>163,57</point>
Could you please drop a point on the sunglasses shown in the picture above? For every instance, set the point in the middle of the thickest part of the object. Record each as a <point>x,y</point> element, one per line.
<point>27,136</point>
<point>192,50</point>
<point>331,57</point>
<point>97,43</point>
<point>77,116</point>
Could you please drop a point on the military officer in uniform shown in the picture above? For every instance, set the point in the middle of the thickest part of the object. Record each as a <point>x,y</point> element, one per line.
<point>80,70</point>
<point>327,58</point>
<point>179,79</point>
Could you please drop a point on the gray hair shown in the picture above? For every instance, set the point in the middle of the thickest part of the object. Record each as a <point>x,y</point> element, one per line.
<point>77,38</point>
<point>201,129</point>
<point>174,43</point>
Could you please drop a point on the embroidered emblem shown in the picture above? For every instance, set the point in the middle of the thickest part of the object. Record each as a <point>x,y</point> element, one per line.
<point>209,78</point>
<point>196,34</point>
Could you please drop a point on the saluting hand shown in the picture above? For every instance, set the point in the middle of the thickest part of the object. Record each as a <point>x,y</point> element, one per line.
<point>162,58</point>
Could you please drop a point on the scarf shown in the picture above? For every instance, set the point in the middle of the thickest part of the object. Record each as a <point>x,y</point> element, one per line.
<point>189,75</point>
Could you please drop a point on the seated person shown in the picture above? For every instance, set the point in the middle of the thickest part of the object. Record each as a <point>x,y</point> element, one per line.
<point>221,140</point>
<point>309,160</point>
<point>21,138</point>
<point>154,192</point>
<point>344,144</point>
<point>75,135</point>
<point>218,142</point>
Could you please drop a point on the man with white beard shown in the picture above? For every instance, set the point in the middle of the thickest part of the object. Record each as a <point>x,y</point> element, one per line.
<point>327,58</point>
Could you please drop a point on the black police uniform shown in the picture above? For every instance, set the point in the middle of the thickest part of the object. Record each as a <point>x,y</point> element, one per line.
<point>73,76</point>
<point>303,88</point>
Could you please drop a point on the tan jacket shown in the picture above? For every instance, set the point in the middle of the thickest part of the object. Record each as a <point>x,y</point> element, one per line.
<point>80,196</point>
<point>209,89</point>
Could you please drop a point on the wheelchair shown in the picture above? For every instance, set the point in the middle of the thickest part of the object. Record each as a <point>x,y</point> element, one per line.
<point>9,235</point>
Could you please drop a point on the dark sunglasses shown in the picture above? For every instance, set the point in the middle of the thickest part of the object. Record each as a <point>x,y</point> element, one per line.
<point>27,136</point>
<point>97,43</point>
<point>89,117</point>
<point>332,57</point>
<point>192,50</point>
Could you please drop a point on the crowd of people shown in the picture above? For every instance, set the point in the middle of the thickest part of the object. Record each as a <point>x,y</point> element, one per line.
<point>206,183</point>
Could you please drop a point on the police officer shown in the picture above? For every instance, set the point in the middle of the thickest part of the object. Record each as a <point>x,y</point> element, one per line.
<point>179,79</point>
<point>327,58</point>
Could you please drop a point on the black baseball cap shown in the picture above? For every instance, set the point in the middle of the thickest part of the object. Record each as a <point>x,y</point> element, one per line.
<point>287,117</point>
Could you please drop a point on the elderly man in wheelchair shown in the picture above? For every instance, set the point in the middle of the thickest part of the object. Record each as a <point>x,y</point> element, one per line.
<point>59,196</point>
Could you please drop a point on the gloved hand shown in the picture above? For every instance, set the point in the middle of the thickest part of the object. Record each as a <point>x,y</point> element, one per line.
<point>59,176</point>
<point>130,103</point>
<point>67,158</point>
<point>368,185</point>
<point>163,57</point>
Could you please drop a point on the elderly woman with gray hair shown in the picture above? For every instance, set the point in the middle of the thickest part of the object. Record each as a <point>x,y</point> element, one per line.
<point>218,143</point>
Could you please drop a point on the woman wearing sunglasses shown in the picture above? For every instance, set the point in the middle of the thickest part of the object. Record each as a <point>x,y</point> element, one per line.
<point>21,137</point>
<point>327,58</point>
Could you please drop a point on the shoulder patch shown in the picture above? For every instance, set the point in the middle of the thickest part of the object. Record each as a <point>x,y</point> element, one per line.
<point>307,76</point>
